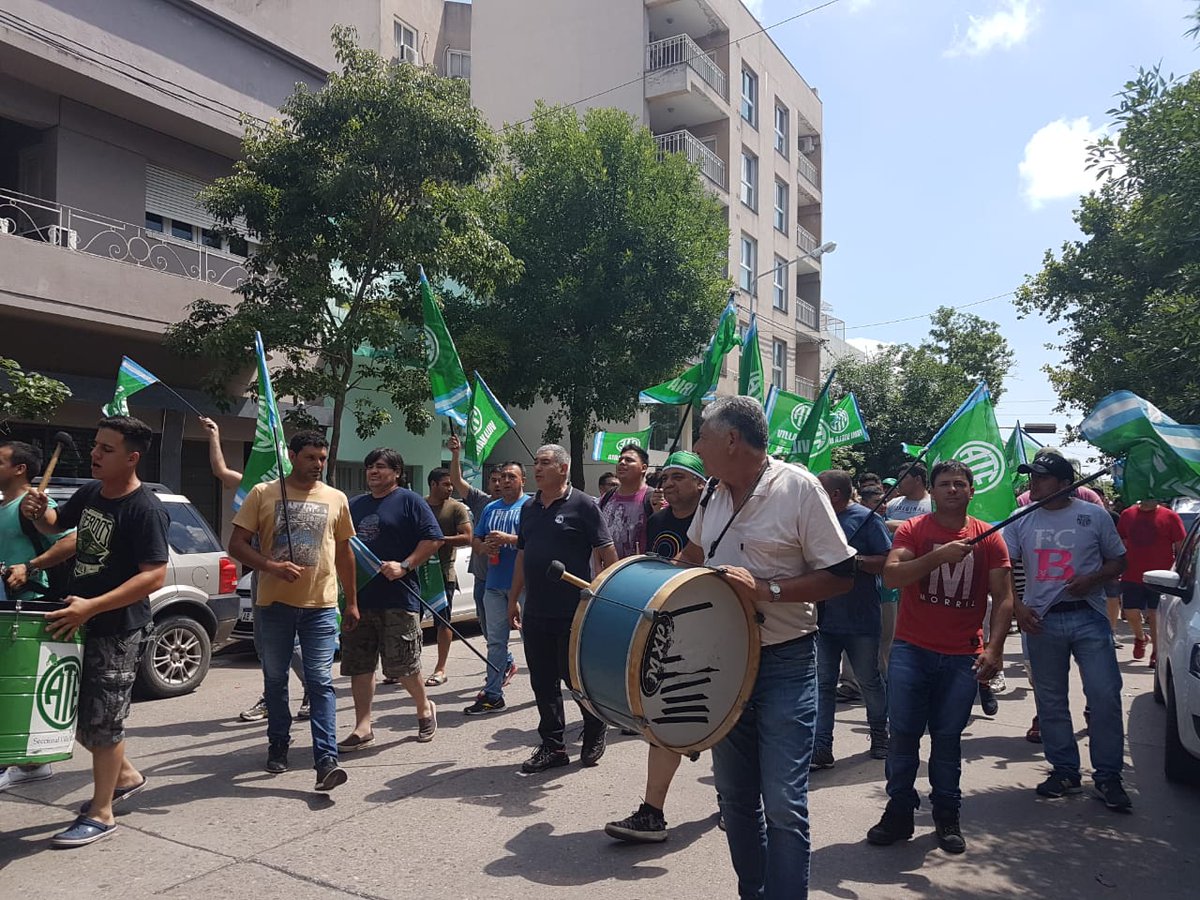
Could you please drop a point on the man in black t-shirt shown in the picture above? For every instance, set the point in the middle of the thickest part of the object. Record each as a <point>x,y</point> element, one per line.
<point>121,556</point>
<point>564,524</point>
<point>683,483</point>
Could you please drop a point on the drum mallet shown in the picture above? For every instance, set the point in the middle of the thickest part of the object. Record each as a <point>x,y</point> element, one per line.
<point>558,571</point>
<point>62,439</point>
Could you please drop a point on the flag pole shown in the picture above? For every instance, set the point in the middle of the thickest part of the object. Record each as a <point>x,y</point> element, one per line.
<point>287,519</point>
<point>679,434</point>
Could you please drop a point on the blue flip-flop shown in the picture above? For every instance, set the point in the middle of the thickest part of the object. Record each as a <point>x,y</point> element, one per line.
<point>118,795</point>
<point>83,832</point>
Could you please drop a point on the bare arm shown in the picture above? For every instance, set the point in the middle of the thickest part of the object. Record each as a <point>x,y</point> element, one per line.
<point>992,659</point>
<point>343,561</point>
<point>216,458</point>
<point>393,569</point>
<point>904,568</point>
<point>462,539</point>
<point>606,556</point>
<point>456,473</point>
<point>65,622</point>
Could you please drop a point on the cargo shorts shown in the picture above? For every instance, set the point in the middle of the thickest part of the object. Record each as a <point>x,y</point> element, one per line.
<point>392,636</point>
<point>110,663</point>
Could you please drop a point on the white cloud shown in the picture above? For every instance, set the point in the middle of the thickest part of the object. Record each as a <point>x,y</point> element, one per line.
<point>1055,163</point>
<point>869,346</point>
<point>1004,29</point>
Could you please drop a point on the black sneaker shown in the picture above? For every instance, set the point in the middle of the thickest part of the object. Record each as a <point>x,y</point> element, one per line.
<point>822,758</point>
<point>256,713</point>
<point>1058,784</point>
<point>896,825</point>
<point>277,762</point>
<point>1114,795</point>
<point>949,835</point>
<point>987,700</point>
<point>330,775</point>
<point>645,826</point>
<point>593,748</point>
<point>879,743</point>
<point>483,706</point>
<point>545,758</point>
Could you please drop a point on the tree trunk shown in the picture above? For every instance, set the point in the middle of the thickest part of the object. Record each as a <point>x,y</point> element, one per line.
<point>335,437</point>
<point>576,433</point>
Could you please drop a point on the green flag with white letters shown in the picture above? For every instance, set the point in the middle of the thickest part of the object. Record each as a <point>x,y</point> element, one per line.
<point>972,437</point>
<point>451,393</point>
<point>750,368</point>
<point>487,423</point>
<point>607,445</point>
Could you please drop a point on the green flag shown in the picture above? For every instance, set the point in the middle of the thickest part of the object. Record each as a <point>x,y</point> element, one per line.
<point>913,450</point>
<point>750,367</point>
<point>1018,450</point>
<point>131,378</point>
<point>846,426</point>
<point>699,383</point>
<point>269,449</point>
<point>812,443</point>
<point>488,422</point>
<point>972,437</point>
<point>1161,458</point>
<point>451,393</point>
<point>786,413</point>
<point>679,391</point>
<point>607,445</point>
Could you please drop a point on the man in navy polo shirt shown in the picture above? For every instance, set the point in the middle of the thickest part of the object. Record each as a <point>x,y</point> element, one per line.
<point>559,523</point>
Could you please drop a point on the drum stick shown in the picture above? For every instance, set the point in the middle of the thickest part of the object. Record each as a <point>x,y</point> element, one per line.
<point>1026,510</point>
<point>558,570</point>
<point>62,439</point>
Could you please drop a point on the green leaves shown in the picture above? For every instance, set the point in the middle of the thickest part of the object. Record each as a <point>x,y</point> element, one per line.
<point>29,395</point>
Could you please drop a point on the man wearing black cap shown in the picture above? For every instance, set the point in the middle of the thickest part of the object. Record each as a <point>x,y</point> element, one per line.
<point>1072,549</point>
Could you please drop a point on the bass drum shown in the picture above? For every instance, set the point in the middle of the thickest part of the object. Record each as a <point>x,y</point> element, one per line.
<point>665,650</point>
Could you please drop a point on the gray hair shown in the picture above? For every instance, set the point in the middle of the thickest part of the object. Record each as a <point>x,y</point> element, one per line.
<point>741,414</point>
<point>558,451</point>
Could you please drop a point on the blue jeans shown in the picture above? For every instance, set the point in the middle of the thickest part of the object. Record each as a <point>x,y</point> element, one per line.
<point>316,630</point>
<point>934,691</point>
<point>1086,635</point>
<point>496,630</point>
<point>481,615</point>
<point>863,650</point>
<point>761,772</point>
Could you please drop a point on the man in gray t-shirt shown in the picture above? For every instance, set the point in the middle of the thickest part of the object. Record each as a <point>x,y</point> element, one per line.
<point>914,499</point>
<point>1070,549</point>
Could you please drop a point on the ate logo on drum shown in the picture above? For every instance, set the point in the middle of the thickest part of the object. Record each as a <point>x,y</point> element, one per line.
<point>58,692</point>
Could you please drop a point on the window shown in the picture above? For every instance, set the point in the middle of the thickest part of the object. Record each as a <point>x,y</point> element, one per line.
<point>184,231</point>
<point>750,97</point>
<point>750,179</point>
<point>781,129</point>
<point>210,238</point>
<point>155,223</point>
<point>781,206</point>
<point>779,284</point>
<point>406,43</point>
<point>779,363</point>
<point>749,265</point>
<point>187,532</point>
<point>458,64</point>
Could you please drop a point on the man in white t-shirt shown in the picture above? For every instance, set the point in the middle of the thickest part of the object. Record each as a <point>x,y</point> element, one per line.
<point>914,497</point>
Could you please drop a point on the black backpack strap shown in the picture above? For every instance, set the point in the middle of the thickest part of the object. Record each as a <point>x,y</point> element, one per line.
<point>604,500</point>
<point>708,492</point>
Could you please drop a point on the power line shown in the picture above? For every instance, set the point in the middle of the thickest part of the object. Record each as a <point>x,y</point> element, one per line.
<point>928,314</point>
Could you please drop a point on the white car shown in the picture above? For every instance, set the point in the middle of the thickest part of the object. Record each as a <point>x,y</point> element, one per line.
<point>1177,676</point>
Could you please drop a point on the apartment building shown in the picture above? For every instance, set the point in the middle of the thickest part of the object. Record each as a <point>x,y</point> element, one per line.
<point>112,116</point>
<point>709,84</point>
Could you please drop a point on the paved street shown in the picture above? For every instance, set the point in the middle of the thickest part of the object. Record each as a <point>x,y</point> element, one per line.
<point>454,819</point>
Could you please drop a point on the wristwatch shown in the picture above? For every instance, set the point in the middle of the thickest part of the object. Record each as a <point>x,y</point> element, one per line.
<point>31,571</point>
<point>775,589</point>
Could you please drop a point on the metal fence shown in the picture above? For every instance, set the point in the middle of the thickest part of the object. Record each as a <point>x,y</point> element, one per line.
<point>683,141</point>
<point>681,49</point>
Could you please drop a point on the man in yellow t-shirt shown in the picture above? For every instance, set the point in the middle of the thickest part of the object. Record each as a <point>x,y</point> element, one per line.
<point>305,553</point>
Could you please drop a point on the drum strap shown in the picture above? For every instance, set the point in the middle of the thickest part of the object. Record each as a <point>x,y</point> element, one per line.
<point>713,547</point>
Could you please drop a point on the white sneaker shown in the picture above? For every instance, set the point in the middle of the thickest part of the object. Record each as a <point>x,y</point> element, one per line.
<point>14,775</point>
<point>997,684</point>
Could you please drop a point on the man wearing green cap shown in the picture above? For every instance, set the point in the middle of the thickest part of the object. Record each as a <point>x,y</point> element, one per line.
<point>683,481</point>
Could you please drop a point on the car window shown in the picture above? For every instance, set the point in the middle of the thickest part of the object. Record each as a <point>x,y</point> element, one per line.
<point>1187,562</point>
<point>187,532</point>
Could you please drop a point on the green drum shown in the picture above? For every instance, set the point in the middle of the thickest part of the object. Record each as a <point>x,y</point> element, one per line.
<point>39,686</point>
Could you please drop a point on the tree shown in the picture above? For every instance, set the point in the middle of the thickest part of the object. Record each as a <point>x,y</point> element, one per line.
<point>30,395</point>
<point>624,256</point>
<point>906,393</point>
<point>1127,296</point>
<point>356,185</point>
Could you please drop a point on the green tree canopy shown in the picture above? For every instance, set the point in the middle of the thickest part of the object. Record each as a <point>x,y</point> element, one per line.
<point>28,395</point>
<point>357,184</point>
<point>624,256</point>
<point>1127,296</point>
<point>907,393</point>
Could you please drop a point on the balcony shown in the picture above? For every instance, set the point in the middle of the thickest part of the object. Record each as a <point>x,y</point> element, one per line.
<point>807,315</point>
<point>85,232</point>
<point>806,387</point>
<point>684,85</point>
<point>808,181</point>
<point>683,141</point>
<point>806,241</point>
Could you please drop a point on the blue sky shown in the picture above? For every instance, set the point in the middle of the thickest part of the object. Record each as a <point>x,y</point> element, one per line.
<point>953,149</point>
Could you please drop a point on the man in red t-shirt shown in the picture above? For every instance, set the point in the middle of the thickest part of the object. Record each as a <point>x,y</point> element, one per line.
<point>933,673</point>
<point>1152,535</point>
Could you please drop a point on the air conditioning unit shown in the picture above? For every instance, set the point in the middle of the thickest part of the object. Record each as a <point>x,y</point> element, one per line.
<point>807,144</point>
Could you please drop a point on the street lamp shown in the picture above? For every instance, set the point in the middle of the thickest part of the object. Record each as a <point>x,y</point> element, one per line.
<point>827,247</point>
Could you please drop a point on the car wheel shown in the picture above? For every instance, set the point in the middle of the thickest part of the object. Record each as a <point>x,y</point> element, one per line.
<point>176,658</point>
<point>1159,697</point>
<point>1178,764</point>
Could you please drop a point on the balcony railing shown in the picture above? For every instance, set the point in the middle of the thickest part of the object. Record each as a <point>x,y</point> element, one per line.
<point>86,232</point>
<point>833,325</point>
<point>680,50</point>
<point>808,171</point>
<point>806,314</point>
<point>806,240</point>
<point>711,166</point>
<point>805,387</point>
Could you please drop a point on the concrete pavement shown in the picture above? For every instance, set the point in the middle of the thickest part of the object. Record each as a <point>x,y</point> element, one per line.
<point>452,818</point>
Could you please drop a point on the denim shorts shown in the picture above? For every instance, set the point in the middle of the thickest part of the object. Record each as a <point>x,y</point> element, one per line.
<point>110,665</point>
<point>392,636</point>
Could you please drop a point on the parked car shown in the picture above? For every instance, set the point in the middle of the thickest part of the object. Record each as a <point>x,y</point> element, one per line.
<point>194,611</point>
<point>1188,509</point>
<point>1177,676</point>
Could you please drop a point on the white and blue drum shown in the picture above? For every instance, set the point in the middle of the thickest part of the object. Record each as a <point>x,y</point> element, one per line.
<point>666,650</point>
